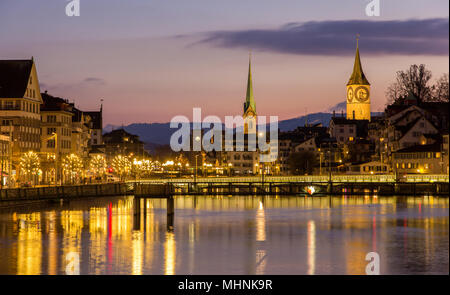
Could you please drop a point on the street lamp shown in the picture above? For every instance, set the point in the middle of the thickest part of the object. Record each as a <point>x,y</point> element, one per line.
<point>195,172</point>
<point>55,136</point>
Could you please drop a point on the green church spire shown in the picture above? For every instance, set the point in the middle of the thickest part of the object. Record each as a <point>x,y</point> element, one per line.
<point>249,99</point>
<point>358,77</point>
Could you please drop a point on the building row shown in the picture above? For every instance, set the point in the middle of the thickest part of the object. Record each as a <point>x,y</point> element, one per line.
<point>49,126</point>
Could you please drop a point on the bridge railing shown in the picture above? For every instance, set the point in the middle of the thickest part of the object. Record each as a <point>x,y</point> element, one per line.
<point>309,179</point>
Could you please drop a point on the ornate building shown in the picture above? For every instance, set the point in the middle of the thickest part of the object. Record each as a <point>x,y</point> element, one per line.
<point>358,92</point>
<point>246,161</point>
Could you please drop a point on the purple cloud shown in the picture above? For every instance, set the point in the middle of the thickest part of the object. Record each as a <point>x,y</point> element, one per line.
<point>410,37</point>
<point>94,80</point>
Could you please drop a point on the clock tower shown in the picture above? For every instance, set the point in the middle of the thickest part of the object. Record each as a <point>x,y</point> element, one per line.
<point>358,92</point>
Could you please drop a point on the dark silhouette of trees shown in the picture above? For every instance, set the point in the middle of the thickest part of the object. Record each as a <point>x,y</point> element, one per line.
<point>440,89</point>
<point>416,81</point>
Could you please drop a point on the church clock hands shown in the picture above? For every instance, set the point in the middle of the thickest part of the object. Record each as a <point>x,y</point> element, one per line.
<point>362,93</point>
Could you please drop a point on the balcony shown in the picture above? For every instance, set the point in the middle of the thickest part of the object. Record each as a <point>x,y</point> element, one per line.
<point>9,108</point>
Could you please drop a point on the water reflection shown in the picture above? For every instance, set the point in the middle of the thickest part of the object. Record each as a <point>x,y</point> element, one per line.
<point>169,254</point>
<point>228,235</point>
<point>311,247</point>
<point>29,244</point>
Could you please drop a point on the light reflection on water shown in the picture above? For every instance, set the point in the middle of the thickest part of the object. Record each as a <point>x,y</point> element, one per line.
<point>228,235</point>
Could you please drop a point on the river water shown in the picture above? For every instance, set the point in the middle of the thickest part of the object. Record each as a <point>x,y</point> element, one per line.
<point>227,235</point>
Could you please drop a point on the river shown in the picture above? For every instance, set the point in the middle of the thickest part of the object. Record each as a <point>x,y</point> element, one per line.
<point>227,235</point>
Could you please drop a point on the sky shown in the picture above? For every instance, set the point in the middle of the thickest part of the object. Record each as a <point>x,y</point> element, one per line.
<point>151,60</point>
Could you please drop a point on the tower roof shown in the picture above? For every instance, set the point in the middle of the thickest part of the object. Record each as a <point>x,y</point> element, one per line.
<point>249,99</point>
<point>358,77</point>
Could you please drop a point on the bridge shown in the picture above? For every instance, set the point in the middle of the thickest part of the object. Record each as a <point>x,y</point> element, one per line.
<point>379,178</point>
<point>437,185</point>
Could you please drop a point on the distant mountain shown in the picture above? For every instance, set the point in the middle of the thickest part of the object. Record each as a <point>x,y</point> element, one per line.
<point>156,134</point>
<point>338,108</point>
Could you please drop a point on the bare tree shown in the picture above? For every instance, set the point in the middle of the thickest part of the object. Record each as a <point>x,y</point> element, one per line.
<point>415,81</point>
<point>440,89</point>
<point>395,93</point>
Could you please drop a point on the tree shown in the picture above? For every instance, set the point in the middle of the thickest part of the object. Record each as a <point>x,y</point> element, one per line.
<point>98,165</point>
<point>121,165</point>
<point>302,162</point>
<point>30,165</point>
<point>440,89</point>
<point>73,166</point>
<point>411,81</point>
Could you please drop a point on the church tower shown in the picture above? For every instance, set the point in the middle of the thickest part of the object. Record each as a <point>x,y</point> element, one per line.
<point>358,92</point>
<point>249,105</point>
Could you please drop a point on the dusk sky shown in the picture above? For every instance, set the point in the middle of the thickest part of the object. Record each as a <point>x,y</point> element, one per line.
<point>151,60</point>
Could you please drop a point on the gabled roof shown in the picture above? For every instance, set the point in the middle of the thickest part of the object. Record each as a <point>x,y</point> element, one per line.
<point>14,75</point>
<point>405,129</point>
<point>435,147</point>
<point>407,112</point>
<point>119,135</point>
<point>96,118</point>
<point>52,104</point>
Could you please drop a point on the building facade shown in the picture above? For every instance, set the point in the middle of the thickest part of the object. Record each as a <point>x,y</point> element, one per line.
<point>20,100</point>
<point>419,159</point>
<point>56,136</point>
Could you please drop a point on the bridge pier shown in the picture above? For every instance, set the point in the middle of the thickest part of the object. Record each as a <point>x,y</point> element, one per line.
<point>137,214</point>
<point>330,187</point>
<point>170,213</point>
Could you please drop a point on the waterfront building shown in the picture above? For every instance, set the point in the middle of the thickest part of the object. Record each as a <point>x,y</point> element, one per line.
<point>81,133</point>
<point>366,168</point>
<point>445,152</point>
<point>5,160</point>
<point>407,131</point>
<point>419,159</point>
<point>20,98</point>
<point>56,136</point>
<point>302,139</point>
<point>121,142</point>
<point>96,132</point>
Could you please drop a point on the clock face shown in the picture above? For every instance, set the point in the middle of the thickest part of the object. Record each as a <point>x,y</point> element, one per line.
<point>350,94</point>
<point>362,93</point>
<point>250,114</point>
